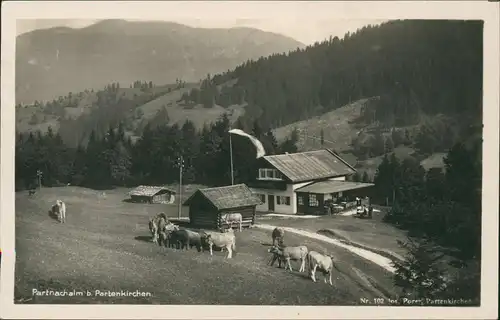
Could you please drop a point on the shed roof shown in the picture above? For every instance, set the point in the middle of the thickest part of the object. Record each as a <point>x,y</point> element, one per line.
<point>227,197</point>
<point>332,186</point>
<point>148,191</point>
<point>310,165</point>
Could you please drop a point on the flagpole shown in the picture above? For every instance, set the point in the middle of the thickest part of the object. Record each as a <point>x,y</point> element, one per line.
<point>231,155</point>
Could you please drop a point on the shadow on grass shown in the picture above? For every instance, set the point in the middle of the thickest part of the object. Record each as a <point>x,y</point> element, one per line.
<point>144,238</point>
<point>53,216</point>
<point>130,201</point>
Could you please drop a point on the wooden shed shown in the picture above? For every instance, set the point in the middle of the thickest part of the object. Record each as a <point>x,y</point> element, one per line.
<point>152,194</point>
<point>207,206</point>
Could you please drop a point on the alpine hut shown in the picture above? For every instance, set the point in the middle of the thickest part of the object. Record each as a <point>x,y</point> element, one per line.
<point>207,206</point>
<point>152,194</point>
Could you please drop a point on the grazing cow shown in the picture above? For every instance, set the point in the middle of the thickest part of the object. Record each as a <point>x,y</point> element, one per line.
<point>164,234</point>
<point>225,240</point>
<point>231,218</point>
<point>278,234</point>
<point>154,225</point>
<point>185,239</point>
<point>164,230</point>
<point>54,212</point>
<point>289,253</point>
<point>324,263</point>
<point>31,192</point>
<point>62,211</point>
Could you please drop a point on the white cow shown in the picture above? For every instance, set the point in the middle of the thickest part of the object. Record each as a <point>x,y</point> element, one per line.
<point>290,253</point>
<point>325,264</point>
<point>221,240</point>
<point>62,211</point>
<point>231,218</point>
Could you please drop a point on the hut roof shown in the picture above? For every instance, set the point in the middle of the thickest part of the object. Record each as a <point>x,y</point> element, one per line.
<point>148,191</point>
<point>310,165</point>
<point>228,197</point>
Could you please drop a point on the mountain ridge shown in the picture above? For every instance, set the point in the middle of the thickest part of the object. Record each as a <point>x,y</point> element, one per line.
<point>54,61</point>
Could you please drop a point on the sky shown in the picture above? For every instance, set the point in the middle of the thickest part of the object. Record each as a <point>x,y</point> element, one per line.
<point>307,33</point>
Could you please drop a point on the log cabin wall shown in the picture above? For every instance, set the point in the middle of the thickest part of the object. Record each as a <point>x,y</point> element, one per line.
<point>247,213</point>
<point>203,214</point>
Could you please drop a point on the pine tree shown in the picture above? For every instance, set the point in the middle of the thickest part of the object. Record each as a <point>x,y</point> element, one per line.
<point>419,275</point>
<point>389,145</point>
<point>378,144</point>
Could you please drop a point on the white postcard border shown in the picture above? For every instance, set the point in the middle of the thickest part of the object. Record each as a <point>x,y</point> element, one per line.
<point>489,12</point>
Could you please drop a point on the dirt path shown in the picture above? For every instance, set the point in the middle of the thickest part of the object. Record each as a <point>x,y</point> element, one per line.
<point>373,257</point>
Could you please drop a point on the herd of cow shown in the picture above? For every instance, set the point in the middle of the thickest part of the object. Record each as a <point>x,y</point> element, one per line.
<point>165,233</point>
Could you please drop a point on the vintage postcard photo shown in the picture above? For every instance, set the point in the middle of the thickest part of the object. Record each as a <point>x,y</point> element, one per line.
<point>215,159</point>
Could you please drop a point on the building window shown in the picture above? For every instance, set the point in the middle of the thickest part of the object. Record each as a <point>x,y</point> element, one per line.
<point>270,174</point>
<point>277,175</point>
<point>300,200</point>
<point>262,198</point>
<point>313,201</point>
<point>262,173</point>
<point>283,200</point>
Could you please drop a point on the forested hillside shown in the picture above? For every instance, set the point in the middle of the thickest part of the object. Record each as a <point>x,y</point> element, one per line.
<point>52,62</point>
<point>407,71</point>
<point>414,67</point>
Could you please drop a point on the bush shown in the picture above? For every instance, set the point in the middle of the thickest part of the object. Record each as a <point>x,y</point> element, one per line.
<point>418,275</point>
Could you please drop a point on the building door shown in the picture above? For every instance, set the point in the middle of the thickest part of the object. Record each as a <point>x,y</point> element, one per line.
<point>270,199</point>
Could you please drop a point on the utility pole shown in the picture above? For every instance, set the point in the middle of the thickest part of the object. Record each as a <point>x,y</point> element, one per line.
<point>180,163</point>
<point>39,175</point>
<point>231,158</point>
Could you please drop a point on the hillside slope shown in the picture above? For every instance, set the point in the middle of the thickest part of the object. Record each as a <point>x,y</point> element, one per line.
<point>340,129</point>
<point>55,61</point>
<point>75,116</point>
<point>416,67</point>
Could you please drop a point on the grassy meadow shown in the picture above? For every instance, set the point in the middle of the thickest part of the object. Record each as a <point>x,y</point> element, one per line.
<point>106,245</point>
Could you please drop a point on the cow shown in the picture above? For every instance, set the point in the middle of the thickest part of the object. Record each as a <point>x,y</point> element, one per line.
<point>153,225</point>
<point>61,210</point>
<point>31,192</point>
<point>54,212</point>
<point>287,254</point>
<point>324,263</point>
<point>164,231</point>
<point>231,218</point>
<point>185,239</point>
<point>225,240</point>
<point>278,234</point>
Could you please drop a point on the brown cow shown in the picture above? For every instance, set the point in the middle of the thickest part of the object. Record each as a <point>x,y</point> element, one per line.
<point>278,234</point>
